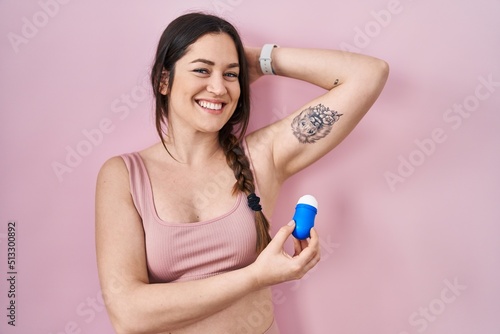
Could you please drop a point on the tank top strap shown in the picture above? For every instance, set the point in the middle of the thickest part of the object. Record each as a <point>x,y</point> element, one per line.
<point>139,183</point>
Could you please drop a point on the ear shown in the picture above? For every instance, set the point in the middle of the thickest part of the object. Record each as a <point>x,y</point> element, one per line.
<point>164,90</point>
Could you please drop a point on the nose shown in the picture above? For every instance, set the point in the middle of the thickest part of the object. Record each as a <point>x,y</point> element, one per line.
<point>217,85</point>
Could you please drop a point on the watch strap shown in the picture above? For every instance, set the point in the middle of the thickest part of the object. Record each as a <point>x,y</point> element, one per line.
<point>266,60</point>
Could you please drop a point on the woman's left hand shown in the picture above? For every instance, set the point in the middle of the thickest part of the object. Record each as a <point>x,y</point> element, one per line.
<point>274,265</point>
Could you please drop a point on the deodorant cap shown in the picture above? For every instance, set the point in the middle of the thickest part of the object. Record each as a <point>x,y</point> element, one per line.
<point>308,199</point>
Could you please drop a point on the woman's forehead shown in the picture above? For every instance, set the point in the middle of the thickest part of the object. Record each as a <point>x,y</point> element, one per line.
<point>218,48</point>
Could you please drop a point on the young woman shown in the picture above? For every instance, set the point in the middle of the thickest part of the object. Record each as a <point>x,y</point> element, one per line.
<point>173,259</point>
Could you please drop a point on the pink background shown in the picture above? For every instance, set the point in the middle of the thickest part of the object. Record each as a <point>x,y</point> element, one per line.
<point>409,203</point>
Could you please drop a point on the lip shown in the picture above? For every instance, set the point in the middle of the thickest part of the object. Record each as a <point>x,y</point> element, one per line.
<point>212,111</point>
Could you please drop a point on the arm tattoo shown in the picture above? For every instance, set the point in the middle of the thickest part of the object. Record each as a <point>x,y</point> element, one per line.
<point>314,123</point>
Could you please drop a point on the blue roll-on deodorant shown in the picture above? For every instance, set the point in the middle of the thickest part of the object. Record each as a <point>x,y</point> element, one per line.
<point>305,212</point>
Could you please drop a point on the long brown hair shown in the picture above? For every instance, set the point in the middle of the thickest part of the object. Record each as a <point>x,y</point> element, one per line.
<point>173,44</point>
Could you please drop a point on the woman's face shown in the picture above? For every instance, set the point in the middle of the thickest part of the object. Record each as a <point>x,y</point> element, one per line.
<point>205,89</point>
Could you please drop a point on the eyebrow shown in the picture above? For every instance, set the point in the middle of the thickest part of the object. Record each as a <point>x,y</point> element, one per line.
<point>211,63</point>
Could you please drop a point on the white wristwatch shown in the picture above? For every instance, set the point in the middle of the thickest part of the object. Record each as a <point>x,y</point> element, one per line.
<point>266,60</point>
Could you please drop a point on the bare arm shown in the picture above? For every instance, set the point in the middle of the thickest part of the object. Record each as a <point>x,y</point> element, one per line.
<point>135,305</point>
<point>353,83</point>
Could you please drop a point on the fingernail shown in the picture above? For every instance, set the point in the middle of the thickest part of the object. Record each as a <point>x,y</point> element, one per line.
<point>291,223</point>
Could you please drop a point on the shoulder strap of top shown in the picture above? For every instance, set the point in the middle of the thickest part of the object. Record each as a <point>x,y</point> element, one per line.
<point>139,182</point>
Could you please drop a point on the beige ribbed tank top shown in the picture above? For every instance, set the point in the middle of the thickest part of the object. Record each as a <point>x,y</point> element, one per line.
<point>190,251</point>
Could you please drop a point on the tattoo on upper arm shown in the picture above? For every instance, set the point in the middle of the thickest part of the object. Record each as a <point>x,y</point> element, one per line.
<point>314,123</point>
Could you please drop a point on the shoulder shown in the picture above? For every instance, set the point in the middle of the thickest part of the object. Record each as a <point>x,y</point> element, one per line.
<point>113,177</point>
<point>117,166</point>
<point>114,166</point>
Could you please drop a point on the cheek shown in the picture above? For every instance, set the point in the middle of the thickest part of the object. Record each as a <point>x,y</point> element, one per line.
<point>235,91</point>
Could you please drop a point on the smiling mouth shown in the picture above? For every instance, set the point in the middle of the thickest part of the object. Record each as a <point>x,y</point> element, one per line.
<point>210,105</point>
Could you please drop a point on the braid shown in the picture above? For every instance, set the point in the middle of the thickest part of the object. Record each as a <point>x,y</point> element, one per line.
<point>238,161</point>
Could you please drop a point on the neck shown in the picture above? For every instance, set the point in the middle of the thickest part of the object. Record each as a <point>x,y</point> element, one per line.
<point>192,148</point>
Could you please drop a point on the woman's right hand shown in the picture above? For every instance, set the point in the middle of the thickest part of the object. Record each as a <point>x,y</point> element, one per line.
<point>252,55</point>
<point>274,265</point>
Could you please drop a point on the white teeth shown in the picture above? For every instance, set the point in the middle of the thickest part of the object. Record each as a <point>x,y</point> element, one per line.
<point>209,105</point>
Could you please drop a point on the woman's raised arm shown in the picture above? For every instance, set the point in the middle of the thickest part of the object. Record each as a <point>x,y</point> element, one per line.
<point>353,83</point>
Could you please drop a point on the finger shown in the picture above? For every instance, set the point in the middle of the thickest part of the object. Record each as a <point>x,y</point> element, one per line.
<point>312,250</point>
<point>315,243</point>
<point>314,239</point>
<point>281,236</point>
<point>297,246</point>
<point>311,264</point>
<point>304,243</point>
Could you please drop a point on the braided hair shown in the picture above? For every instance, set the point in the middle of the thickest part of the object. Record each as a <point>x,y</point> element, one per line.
<point>173,45</point>
<point>238,161</point>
